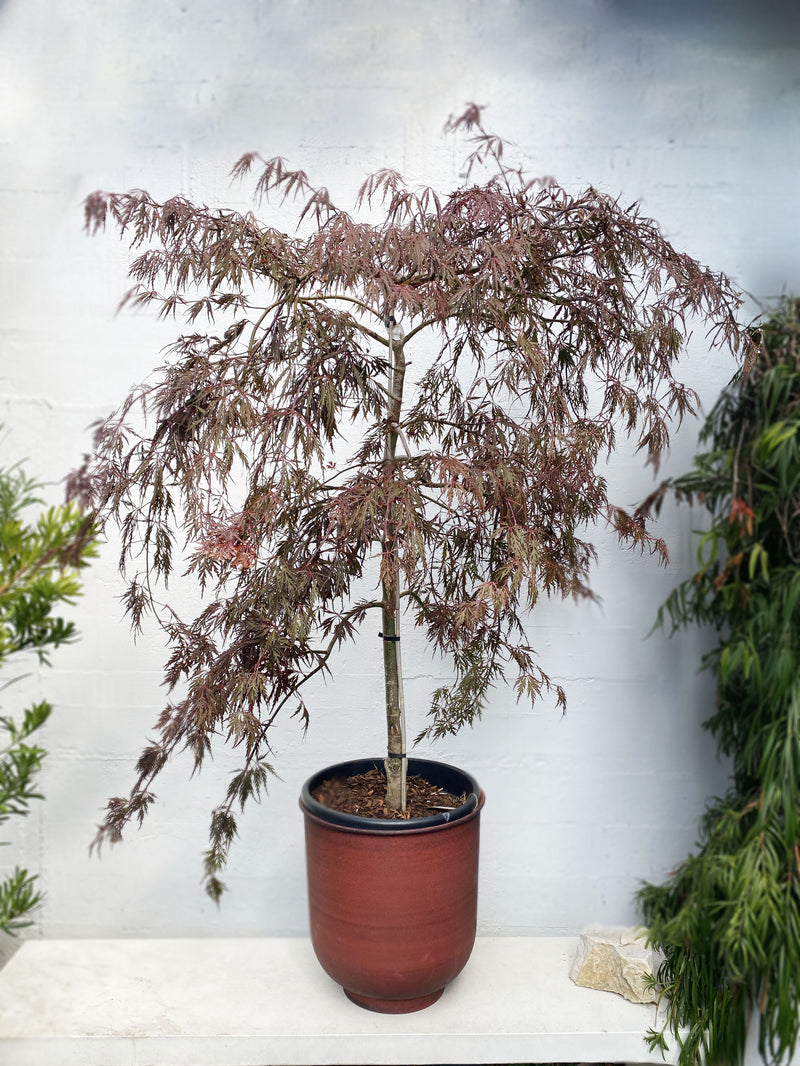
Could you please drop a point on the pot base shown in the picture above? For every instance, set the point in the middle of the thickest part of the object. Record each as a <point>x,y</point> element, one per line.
<point>394,1006</point>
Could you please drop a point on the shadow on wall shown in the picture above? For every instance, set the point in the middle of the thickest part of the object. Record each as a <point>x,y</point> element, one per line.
<point>733,22</point>
<point>9,945</point>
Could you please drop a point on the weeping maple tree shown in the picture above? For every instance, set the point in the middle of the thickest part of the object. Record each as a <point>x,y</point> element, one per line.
<point>287,452</point>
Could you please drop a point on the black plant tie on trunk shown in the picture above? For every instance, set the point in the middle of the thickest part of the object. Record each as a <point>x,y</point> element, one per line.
<point>388,638</point>
<point>396,755</point>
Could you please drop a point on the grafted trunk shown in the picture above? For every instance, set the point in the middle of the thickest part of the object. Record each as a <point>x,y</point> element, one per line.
<point>396,757</point>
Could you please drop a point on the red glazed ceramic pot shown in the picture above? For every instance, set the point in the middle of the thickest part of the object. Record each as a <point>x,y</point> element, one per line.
<point>393,904</point>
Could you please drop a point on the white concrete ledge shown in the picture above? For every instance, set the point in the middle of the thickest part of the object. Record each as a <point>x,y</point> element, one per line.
<point>225,1002</point>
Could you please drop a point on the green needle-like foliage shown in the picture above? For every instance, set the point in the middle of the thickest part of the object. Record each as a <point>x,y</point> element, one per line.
<point>39,566</point>
<point>729,919</point>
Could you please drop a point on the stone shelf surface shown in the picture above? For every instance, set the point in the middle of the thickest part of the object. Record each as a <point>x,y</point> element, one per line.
<point>252,1002</point>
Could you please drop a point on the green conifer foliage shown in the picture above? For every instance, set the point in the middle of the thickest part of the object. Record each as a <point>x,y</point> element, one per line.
<point>729,919</point>
<point>39,566</point>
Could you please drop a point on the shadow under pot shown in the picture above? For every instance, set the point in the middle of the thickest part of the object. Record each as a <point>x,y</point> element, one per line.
<point>393,903</point>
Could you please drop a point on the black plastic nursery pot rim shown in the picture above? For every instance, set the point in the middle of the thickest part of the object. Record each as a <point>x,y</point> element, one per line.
<point>449,778</point>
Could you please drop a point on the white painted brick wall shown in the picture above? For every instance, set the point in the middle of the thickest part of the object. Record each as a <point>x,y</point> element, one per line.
<point>693,109</point>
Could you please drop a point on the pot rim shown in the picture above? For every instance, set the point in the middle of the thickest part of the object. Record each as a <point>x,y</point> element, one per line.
<point>317,811</point>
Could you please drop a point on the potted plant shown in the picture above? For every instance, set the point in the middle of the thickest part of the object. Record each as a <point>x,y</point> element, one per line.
<point>728,919</point>
<point>298,456</point>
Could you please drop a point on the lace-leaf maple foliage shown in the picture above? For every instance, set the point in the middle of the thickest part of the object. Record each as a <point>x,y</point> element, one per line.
<point>728,920</point>
<point>288,447</point>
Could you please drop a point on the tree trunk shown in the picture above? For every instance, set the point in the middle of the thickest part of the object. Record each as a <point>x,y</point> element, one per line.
<point>396,759</point>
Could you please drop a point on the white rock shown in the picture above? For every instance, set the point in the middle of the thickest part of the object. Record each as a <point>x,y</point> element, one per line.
<point>616,959</point>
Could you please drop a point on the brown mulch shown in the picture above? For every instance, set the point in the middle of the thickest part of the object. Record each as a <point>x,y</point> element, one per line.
<point>364,795</point>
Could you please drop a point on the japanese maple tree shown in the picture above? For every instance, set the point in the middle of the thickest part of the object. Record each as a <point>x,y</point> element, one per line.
<point>290,452</point>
